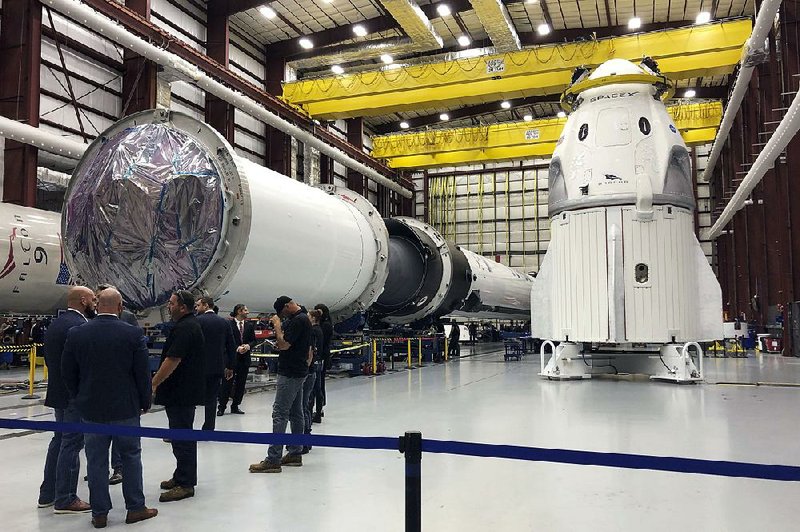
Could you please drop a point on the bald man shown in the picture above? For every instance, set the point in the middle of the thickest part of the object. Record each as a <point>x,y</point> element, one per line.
<point>61,467</point>
<point>106,372</point>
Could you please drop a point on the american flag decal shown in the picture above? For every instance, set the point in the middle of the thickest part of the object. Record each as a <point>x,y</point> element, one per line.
<point>63,275</point>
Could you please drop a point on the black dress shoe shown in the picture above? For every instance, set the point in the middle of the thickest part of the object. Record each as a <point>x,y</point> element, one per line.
<point>235,410</point>
<point>220,412</point>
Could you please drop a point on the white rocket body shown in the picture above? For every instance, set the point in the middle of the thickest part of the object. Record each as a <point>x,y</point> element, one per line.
<point>623,264</point>
<point>33,276</point>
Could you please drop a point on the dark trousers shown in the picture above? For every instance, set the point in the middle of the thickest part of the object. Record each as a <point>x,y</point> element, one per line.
<point>129,450</point>
<point>213,383</point>
<point>182,417</point>
<point>319,390</point>
<point>234,388</point>
<point>455,348</point>
<point>62,464</point>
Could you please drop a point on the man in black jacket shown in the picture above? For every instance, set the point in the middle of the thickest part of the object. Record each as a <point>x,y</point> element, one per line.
<point>105,369</point>
<point>61,468</point>
<point>244,336</point>
<point>179,385</point>
<point>220,354</point>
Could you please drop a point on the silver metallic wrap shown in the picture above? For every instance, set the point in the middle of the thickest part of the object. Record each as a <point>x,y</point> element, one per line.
<point>146,213</point>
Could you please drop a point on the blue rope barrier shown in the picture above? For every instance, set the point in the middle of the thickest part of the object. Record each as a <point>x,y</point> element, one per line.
<point>783,473</point>
<point>620,460</point>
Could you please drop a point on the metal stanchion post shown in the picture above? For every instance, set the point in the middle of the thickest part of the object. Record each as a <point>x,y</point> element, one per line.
<point>446,348</point>
<point>411,447</point>
<point>31,374</point>
<point>374,357</point>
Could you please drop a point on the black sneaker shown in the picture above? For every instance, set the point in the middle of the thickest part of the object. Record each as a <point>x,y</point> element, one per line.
<point>116,478</point>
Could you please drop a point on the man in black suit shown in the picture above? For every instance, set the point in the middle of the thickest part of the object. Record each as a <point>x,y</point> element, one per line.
<point>179,385</point>
<point>105,369</point>
<point>220,354</point>
<point>116,461</point>
<point>62,465</point>
<point>244,336</point>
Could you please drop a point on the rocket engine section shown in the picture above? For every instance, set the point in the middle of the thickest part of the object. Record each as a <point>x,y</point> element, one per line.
<point>623,265</point>
<point>431,277</point>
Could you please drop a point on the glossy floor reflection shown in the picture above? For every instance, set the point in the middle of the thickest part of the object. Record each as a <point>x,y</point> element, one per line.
<point>479,398</point>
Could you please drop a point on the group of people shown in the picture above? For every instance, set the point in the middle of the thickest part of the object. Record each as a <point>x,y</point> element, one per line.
<point>98,361</point>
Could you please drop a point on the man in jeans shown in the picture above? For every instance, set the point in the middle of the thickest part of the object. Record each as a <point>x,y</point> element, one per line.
<point>62,465</point>
<point>293,341</point>
<point>106,371</point>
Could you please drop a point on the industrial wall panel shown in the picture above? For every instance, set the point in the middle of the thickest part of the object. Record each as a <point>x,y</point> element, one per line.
<point>251,143</point>
<point>189,110</point>
<point>246,75</point>
<point>80,34</point>
<point>248,122</point>
<point>180,23</point>
<point>56,111</point>
<point>246,60</point>
<point>54,81</point>
<point>190,92</point>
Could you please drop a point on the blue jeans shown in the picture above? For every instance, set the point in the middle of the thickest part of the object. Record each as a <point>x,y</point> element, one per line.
<point>288,407</point>
<point>62,465</point>
<point>130,452</point>
<point>308,390</point>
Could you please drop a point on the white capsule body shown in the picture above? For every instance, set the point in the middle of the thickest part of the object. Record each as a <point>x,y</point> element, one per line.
<point>623,264</point>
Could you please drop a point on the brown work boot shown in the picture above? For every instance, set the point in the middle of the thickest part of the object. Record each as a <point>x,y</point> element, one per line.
<point>177,493</point>
<point>140,515</point>
<point>293,460</point>
<point>265,466</point>
<point>168,484</point>
<point>100,521</point>
<point>76,507</point>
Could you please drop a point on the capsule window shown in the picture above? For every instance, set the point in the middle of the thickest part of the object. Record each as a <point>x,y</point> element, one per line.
<point>583,132</point>
<point>642,273</point>
<point>644,126</point>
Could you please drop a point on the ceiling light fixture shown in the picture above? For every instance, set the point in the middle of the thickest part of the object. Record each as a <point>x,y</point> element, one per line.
<point>267,11</point>
<point>531,1</point>
<point>359,30</point>
<point>443,10</point>
<point>635,23</point>
<point>505,105</point>
<point>561,114</point>
<point>306,43</point>
<point>387,59</point>
<point>527,118</point>
<point>691,93</point>
<point>444,117</point>
<point>336,69</point>
<point>463,40</point>
<point>404,125</point>
<point>703,17</point>
<point>543,29</point>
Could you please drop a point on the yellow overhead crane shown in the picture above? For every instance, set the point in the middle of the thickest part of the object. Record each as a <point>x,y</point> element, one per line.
<point>697,123</point>
<point>695,51</point>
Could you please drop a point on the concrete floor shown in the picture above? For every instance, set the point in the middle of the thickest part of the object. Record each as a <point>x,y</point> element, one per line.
<point>482,399</point>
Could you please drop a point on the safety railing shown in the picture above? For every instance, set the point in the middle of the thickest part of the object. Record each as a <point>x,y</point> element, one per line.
<point>32,350</point>
<point>412,446</point>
